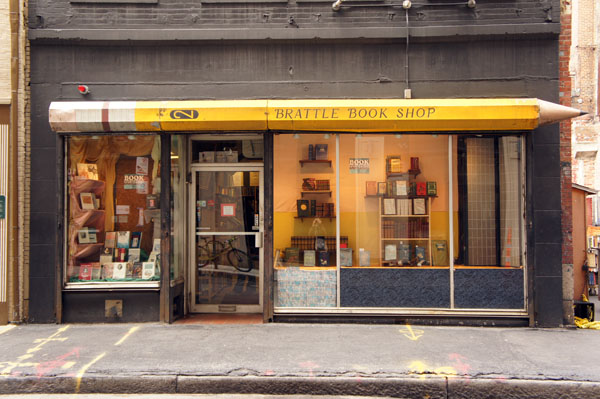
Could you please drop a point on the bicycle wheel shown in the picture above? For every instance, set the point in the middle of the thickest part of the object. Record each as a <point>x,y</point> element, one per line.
<point>240,260</point>
<point>208,251</point>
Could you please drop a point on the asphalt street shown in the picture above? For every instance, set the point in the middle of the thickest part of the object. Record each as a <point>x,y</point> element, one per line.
<point>301,359</point>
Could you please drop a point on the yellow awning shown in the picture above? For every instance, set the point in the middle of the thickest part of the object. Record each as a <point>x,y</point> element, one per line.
<point>347,115</point>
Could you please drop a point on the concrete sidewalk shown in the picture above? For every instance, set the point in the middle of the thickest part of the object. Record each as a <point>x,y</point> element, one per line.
<point>319,359</point>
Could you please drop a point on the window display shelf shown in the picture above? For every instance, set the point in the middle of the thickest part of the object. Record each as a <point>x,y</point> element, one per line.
<point>405,239</point>
<point>404,216</point>
<point>315,217</point>
<point>315,192</point>
<point>316,161</point>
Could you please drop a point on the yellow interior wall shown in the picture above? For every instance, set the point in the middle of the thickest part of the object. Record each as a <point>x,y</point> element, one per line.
<point>359,219</point>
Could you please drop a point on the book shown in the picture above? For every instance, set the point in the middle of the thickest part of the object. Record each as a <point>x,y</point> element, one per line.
<point>137,270</point>
<point>134,255</point>
<point>303,208</point>
<point>106,258</point>
<point>320,244</point>
<point>321,151</point>
<point>123,239</point>
<point>394,164</point>
<point>439,253</point>
<point>310,257</point>
<point>323,258</point>
<point>419,206</point>
<point>390,252</point>
<point>156,245</point>
<point>346,257</point>
<point>309,184</point>
<point>119,254</point>
<point>129,270</point>
<point>404,254</point>
<point>85,271</point>
<point>292,256</point>
<point>381,188</point>
<point>311,152</point>
<point>119,270</point>
<point>389,206</point>
<point>152,201</point>
<point>371,188</point>
<point>107,271</point>
<point>136,239</point>
<point>422,189</point>
<point>88,201</point>
<point>414,163</point>
<point>420,252</point>
<point>82,236</point>
<point>431,188</point>
<point>110,239</point>
<point>313,207</point>
<point>364,257</point>
<point>96,271</point>
<point>148,270</point>
<point>87,171</point>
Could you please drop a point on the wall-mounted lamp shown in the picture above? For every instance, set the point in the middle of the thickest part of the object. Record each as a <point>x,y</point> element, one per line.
<point>296,136</point>
<point>83,89</point>
<point>336,5</point>
<point>406,4</point>
<point>359,136</point>
<point>131,137</point>
<point>398,136</point>
<point>435,136</point>
<point>326,136</point>
<point>471,4</point>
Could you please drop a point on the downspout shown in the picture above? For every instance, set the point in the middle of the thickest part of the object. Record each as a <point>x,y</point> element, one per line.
<point>15,277</point>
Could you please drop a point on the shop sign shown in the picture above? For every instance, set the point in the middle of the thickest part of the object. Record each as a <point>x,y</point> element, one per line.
<point>359,165</point>
<point>355,113</point>
<point>2,207</point>
<point>136,182</point>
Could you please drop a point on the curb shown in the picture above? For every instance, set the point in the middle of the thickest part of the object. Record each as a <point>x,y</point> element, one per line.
<point>433,387</point>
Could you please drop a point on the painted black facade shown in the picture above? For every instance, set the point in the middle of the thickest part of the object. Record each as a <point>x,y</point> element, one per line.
<point>245,50</point>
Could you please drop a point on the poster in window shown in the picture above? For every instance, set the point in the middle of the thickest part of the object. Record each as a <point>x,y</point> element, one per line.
<point>228,210</point>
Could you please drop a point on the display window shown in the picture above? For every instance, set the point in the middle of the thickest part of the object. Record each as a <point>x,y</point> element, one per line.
<point>411,221</point>
<point>113,210</point>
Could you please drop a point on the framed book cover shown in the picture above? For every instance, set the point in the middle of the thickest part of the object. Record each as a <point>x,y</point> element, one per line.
<point>152,201</point>
<point>119,270</point>
<point>389,206</point>
<point>156,245</point>
<point>320,244</point>
<point>88,201</point>
<point>394,164</point>
<point>390,252</point>
<point>321,151</point>
<point>439,250</point>
<point>323,258</point>
<point>106,258</point>
<point>87,171</point>
<point>381,188</point>
<point>401,187</point>
<point>420,254</point>
<point>303,208</point>
<point>110,239</point>
<point>371,188</point>
<point>148,270</point>
<point>310,257</point>
<point>364,258</point>
<point>123,239</point>
<point>419,206</point>
<point>346,257</point>
<point>136,239</point>
<point>82,236</point>
<point>92,235</point>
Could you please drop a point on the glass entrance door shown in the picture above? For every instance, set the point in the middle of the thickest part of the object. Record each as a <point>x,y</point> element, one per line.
<point>227,233</point>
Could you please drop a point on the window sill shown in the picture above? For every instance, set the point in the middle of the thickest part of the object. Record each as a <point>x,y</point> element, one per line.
<point>112,286</point>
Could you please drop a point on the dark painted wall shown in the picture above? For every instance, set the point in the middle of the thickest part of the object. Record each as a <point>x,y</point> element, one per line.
<point>480,62</point>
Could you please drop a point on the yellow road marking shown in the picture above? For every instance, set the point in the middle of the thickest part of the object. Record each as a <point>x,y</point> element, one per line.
<point>131,331</point>
<point>67,365</point>
<point>413,335</point>
<point>83,370</point>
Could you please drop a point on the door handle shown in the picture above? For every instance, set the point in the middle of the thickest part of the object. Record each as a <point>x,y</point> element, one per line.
<point>259,240</point>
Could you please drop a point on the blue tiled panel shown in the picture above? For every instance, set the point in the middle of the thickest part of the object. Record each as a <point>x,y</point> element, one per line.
<point>488,288</point>
<point>295,287</point>
<point>395,288</point>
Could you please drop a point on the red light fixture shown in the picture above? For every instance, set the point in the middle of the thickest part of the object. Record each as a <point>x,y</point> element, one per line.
<point>83,89</point>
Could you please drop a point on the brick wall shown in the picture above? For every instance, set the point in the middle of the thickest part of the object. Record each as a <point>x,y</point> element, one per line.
<point>565,162</point>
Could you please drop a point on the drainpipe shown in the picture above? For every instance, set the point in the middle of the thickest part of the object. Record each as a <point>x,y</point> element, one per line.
<point>15,278</point>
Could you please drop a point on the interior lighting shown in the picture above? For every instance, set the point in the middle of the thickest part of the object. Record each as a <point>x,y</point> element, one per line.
<point>398,136</point>
<point>326,136</point>
<point>359,136</point>
<point>131,137</point>
<point>296,136</point>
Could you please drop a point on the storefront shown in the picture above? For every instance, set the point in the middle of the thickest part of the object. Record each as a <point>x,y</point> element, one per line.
<point>295,208</point>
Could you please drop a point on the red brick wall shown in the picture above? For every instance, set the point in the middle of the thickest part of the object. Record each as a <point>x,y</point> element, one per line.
<point>565,140</point>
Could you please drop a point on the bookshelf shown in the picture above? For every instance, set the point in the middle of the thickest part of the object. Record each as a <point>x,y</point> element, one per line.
<point>405,231</point>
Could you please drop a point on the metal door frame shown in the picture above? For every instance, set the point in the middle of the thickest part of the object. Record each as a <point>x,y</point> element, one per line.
<point>259,236</point>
